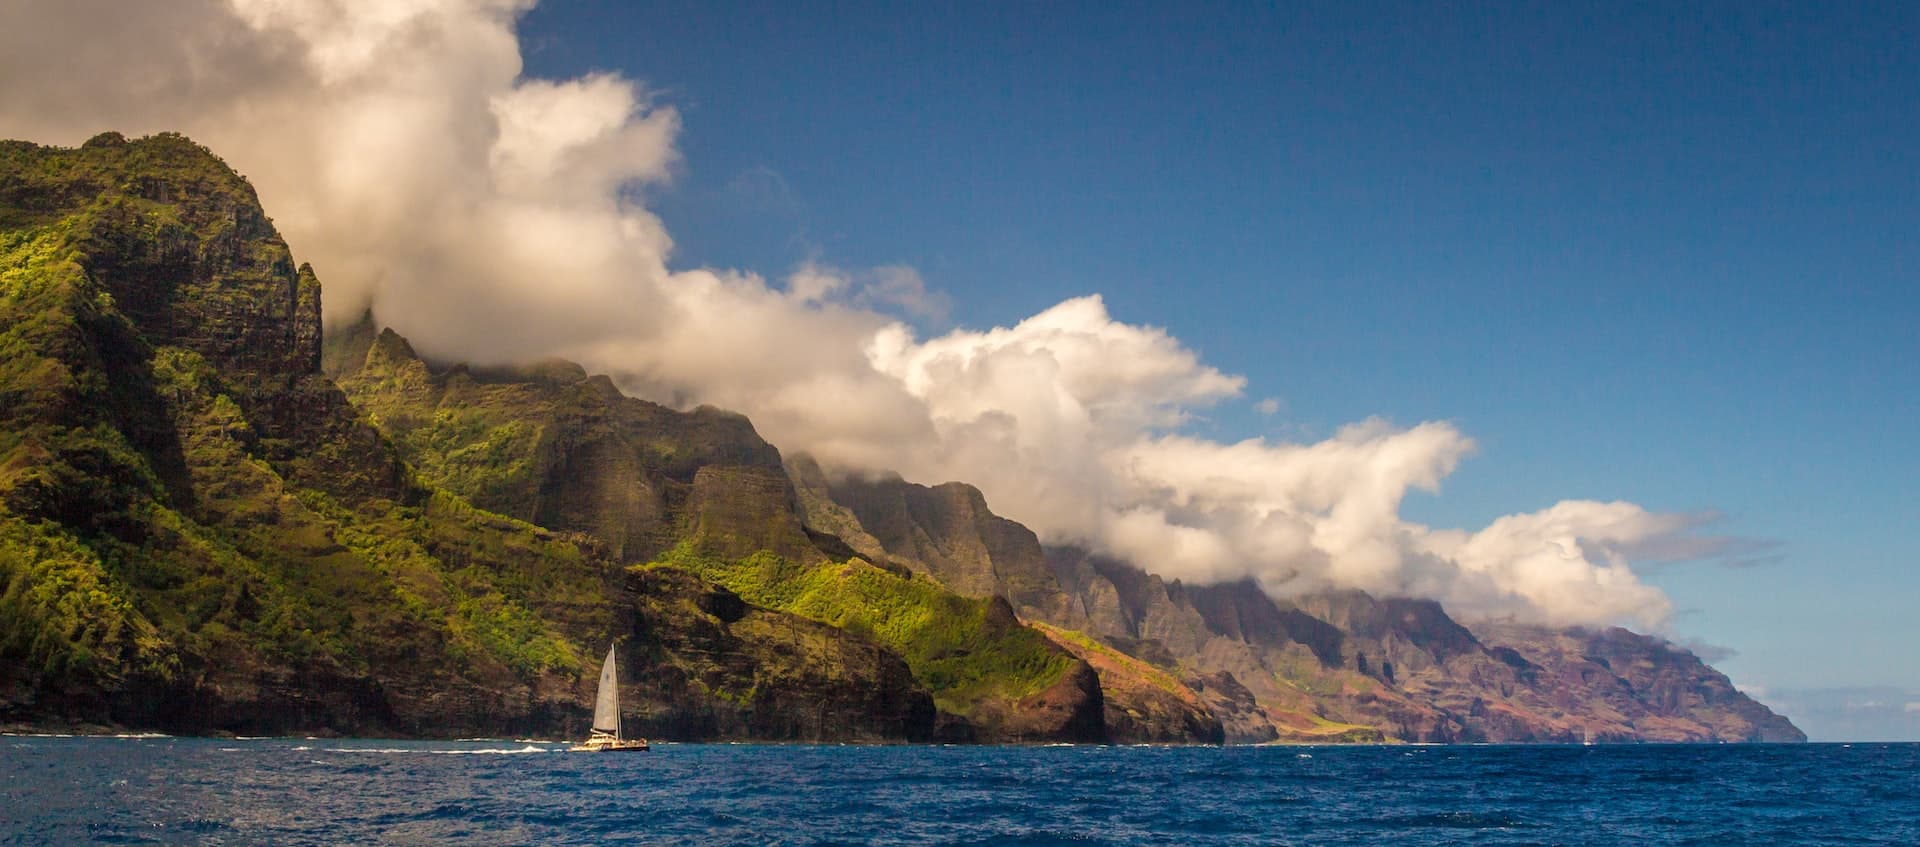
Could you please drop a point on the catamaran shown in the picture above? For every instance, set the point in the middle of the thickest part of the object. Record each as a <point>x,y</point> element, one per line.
<point>606,736</point>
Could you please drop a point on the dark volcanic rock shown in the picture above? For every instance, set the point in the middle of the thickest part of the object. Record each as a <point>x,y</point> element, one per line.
<point>1072,709</point>
<point>1239,713</point>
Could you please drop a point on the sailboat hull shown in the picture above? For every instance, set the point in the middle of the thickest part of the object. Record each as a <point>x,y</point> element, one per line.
<point>623,745</point>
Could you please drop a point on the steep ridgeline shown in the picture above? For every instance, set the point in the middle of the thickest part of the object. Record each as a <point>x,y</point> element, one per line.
<point>700,492</point>
<point>199,533</point>
<point>1338,666</point>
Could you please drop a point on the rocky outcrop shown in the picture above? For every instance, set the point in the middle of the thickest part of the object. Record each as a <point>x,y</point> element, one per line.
<point>1240,715</point>
<point>1141,702</point>
<point>1072,709</point>
<point>945,531</point>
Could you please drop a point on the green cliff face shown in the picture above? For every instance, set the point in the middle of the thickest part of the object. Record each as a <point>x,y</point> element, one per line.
<point>199,532</point>
<point>198,528</point>
<point>992,678</point>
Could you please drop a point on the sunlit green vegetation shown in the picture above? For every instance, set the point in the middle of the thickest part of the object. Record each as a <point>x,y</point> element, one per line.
<point>956,646</point>
<point>159,515</point>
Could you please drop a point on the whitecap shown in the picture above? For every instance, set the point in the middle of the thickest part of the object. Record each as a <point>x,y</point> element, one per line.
<point>497,751</point>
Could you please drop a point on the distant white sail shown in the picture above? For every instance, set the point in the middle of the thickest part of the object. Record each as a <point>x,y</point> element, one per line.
<point>606,709</point>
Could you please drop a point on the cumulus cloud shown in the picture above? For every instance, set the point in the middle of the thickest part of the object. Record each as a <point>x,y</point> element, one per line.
<point>493,217</point>
<point>395,143</point>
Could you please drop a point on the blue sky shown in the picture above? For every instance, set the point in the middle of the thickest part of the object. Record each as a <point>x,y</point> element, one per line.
<point>1642,253</point>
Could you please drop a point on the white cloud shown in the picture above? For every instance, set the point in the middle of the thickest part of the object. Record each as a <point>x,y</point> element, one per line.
<point>494,217</point>
<point>1912,708</point>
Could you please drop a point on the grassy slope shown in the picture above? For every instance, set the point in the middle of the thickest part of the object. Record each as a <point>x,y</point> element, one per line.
<point>964,651</point>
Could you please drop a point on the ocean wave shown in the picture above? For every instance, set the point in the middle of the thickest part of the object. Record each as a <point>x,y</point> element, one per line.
<point>84,735</point>
<point>501,751</point>
<point>415,751</point>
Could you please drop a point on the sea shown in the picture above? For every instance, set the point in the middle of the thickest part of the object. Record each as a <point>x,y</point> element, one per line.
<point>294,791</point>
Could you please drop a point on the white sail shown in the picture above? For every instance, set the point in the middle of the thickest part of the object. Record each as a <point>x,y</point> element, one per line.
<point>606,709</point>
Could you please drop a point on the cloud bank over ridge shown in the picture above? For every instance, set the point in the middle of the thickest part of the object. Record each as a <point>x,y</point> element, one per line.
<point>493,217</point>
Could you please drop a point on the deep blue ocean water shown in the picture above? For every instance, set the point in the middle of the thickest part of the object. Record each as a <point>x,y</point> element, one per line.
<point>291,791</point>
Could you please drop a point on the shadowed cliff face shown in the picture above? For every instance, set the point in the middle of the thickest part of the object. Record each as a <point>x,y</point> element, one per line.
<point>199,533</point>
<point>706,664</point>
<point>946,532</point>
<point>552,446</point>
